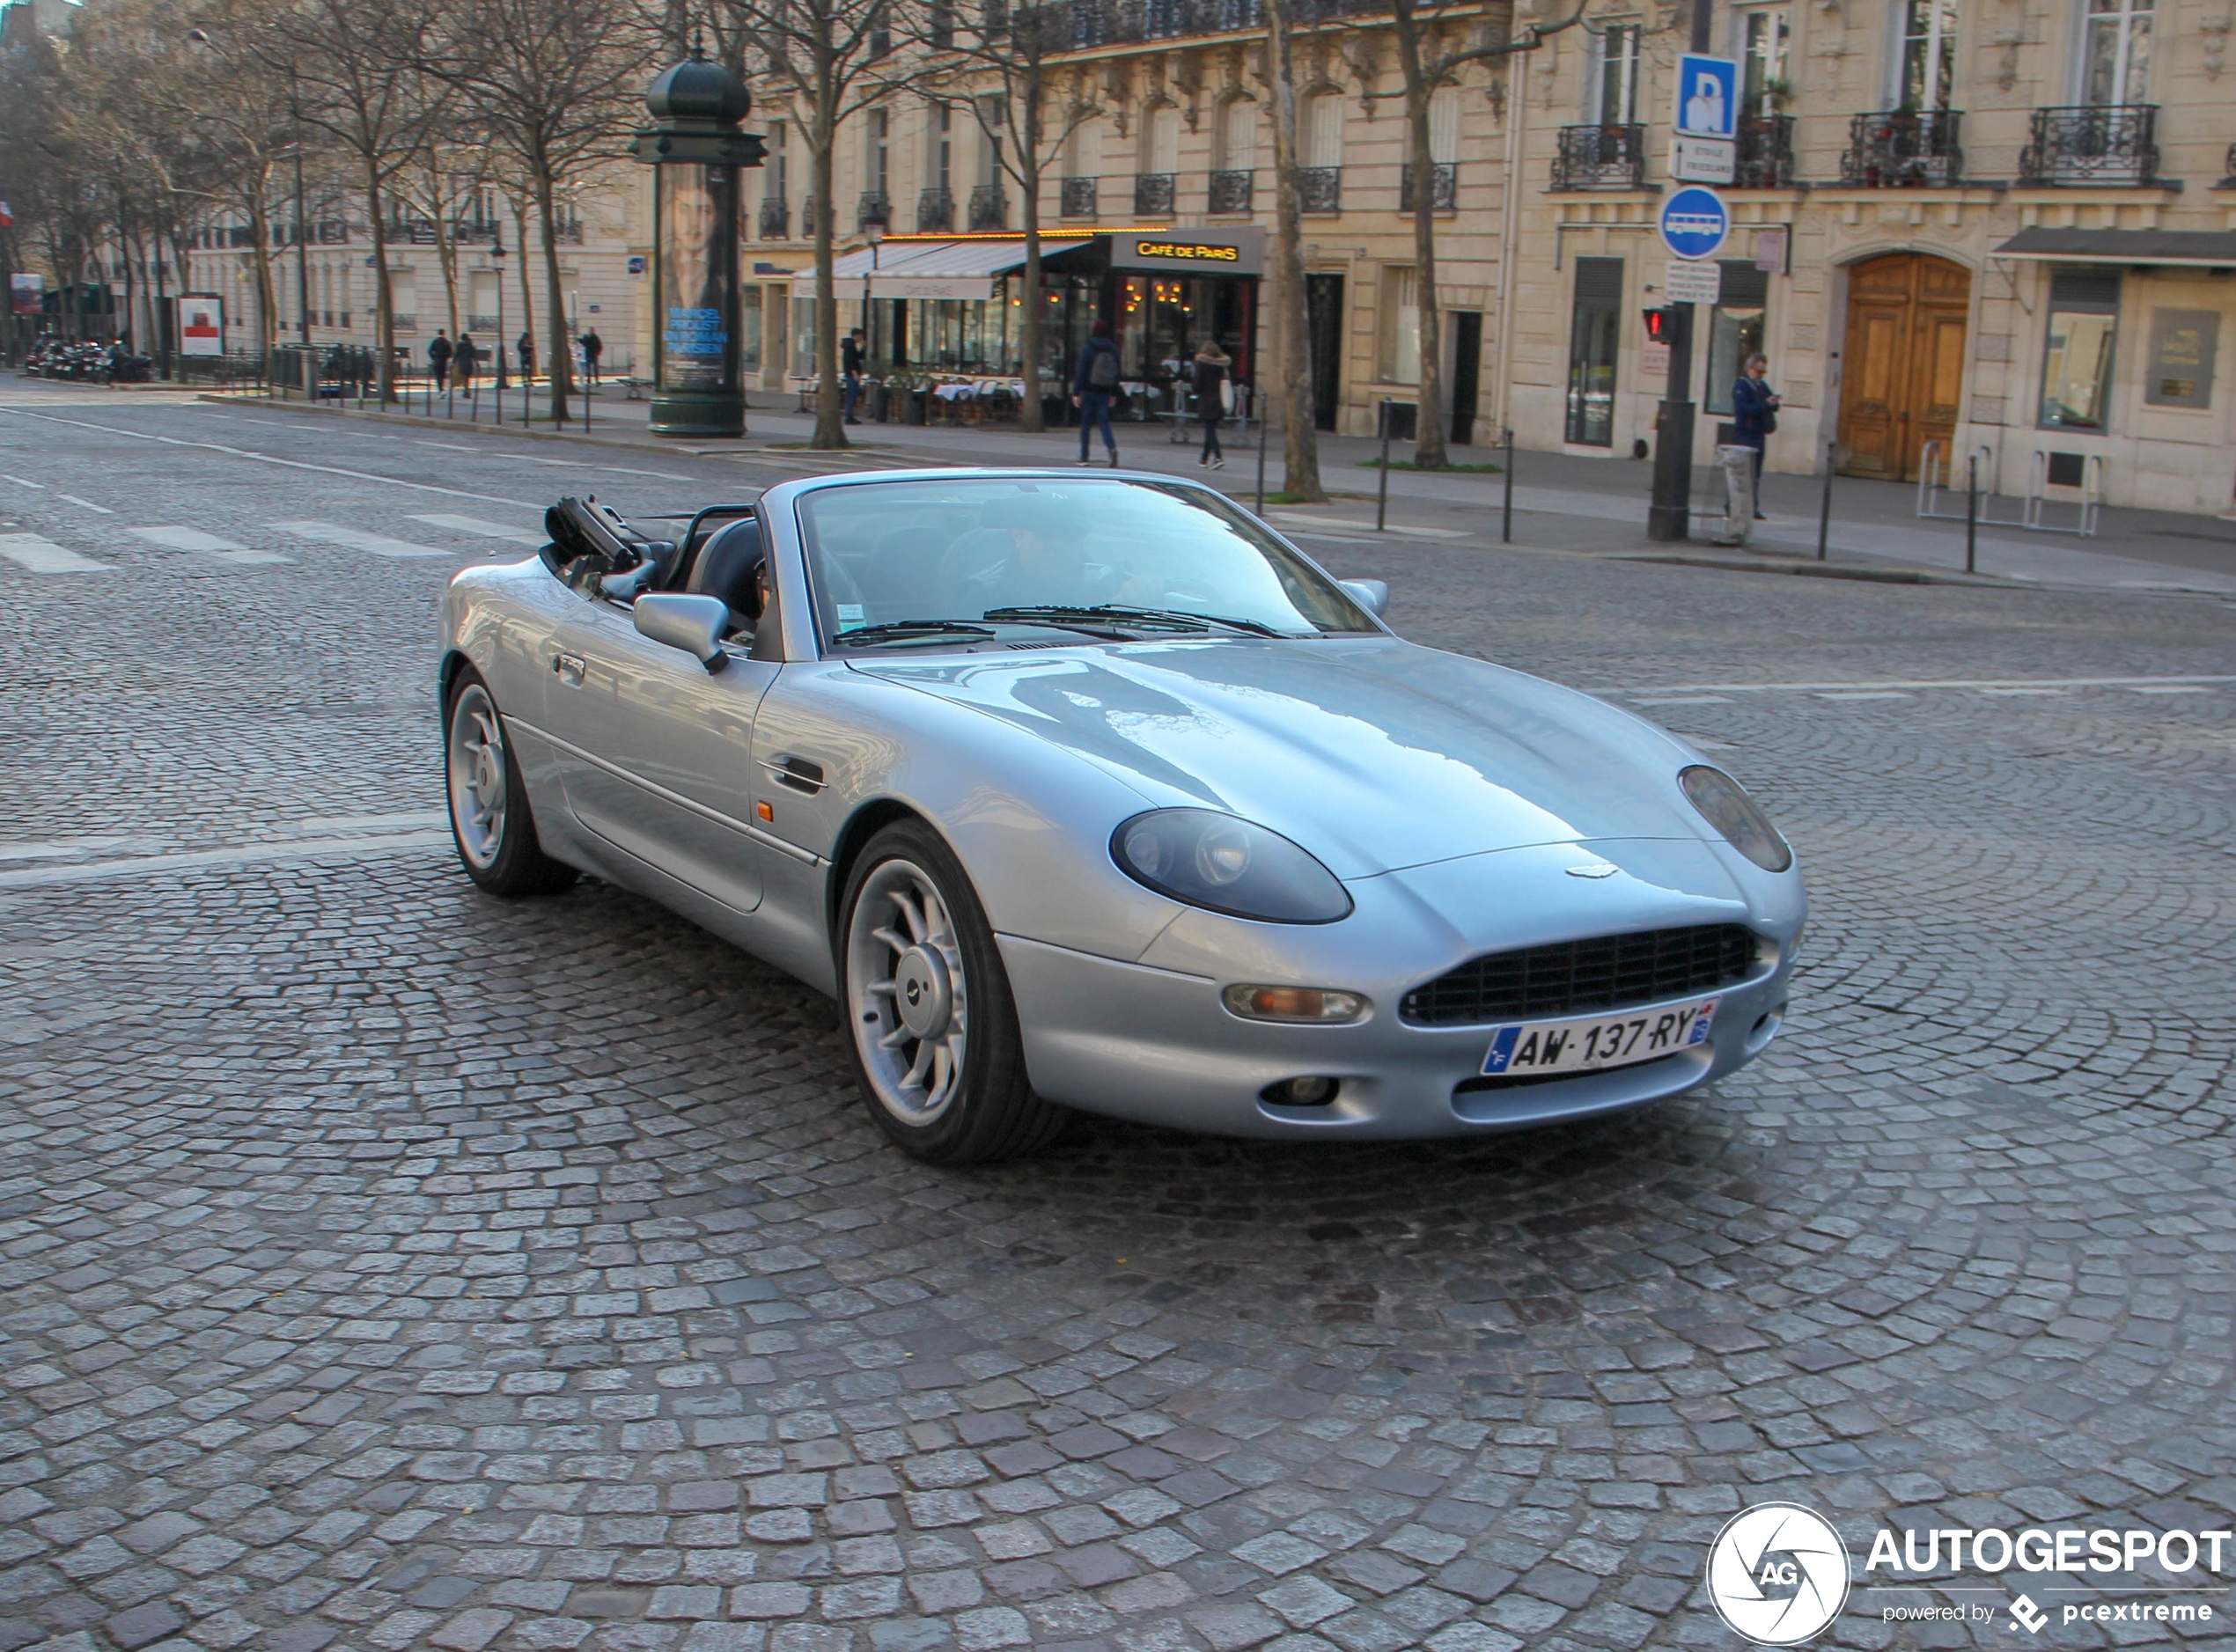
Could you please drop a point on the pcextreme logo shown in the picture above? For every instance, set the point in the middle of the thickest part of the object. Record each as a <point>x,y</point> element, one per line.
<point>1778,1573</point>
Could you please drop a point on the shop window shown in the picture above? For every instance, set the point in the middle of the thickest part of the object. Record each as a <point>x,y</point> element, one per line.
<point>2183,344</point>
<point>2076,364</point>
<point>1734,329</point>
<point>749,330</point>
<point>1592,337</point>
<point>1398,328</point>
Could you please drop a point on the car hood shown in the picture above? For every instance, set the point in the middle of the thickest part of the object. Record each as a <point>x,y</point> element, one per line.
<point>1372,753</point>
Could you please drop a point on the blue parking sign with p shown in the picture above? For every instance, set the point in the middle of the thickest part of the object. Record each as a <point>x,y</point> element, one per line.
<point>1707,95</point>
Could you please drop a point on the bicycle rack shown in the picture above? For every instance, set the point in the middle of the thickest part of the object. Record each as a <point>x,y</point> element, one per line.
<point>1937,475</point>
<point>2091,498</point>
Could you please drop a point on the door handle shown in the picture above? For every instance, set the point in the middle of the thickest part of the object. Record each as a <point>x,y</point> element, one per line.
<point>569,668</point>
<point>797,772</point>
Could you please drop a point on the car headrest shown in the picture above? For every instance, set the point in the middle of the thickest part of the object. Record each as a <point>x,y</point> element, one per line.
<point>727,566</point>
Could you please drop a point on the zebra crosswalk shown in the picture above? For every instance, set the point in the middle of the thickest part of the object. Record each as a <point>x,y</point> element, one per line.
<point>356,539</point>
<point>41,555</point>
<point>178,538</point>
<point>107,547</point>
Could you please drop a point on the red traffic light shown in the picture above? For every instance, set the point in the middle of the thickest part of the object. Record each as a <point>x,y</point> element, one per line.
<point>1657,326</point>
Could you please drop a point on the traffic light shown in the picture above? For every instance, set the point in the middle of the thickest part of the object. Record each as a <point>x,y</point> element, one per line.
<point>1658,326</point>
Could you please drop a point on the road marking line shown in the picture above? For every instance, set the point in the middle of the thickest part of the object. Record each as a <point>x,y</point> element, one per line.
<point>352,539</point>
<point>1433,534</point>
<point>88,503</point>
<point>486,530</point>
<point>2014,694</point>
<point>44,556</point>
<point>174,538</point>
<point>1966,682</point>
<point>246,854</point>
<point>25,482</point>
<point>268,458</point>
<point>1683,700</point>
<point>2168,688</point>
<point>1867,693</point>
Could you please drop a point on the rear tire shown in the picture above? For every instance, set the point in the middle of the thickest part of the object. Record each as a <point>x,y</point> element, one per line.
<point>491,824</point>
<point>932,1026</point>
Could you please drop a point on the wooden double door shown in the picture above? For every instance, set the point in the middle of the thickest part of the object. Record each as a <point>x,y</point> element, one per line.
<point>1903,378</point>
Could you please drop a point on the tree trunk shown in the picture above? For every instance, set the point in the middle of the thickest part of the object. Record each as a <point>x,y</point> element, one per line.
<point>560,365</point>
<point>384,318</point>
<point>1427,414</point>
<point>1029,185</point>
<point>259,228</point>
<point>829,400</point>
<point>1289,329</point>
<point>447,260</point>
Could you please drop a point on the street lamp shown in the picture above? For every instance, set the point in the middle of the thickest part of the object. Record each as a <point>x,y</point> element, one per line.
<point>497,254</point>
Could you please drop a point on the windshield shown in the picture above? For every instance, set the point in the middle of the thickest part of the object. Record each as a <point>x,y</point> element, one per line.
<point>1094,556</point>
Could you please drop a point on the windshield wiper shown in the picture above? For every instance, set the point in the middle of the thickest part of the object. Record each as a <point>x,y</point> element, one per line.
<point>892,629</point>
<point>1125,614</point>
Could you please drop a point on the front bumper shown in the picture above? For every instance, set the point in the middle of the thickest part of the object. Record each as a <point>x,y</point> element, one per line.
<point>1151,1041</point>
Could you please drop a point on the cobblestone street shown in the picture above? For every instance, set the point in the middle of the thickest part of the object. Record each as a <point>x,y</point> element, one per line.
<point>385,1266</point>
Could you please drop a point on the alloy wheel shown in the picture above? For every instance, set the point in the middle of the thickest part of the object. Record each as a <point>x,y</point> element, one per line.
<point>907,992</point>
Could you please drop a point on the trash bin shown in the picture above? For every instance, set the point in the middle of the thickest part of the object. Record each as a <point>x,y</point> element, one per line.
<point>917,400</point>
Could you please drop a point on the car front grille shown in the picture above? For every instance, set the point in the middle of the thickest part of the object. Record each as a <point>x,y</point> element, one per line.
<point>1609,972</point>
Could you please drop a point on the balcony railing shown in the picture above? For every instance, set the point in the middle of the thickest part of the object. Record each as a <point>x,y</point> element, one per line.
<point>410,232</point>
<point>1765,153</point>
<point>1078,197</point>
<point>776,218</point>
<point>873,207</point>
<point>1153,195</point>
<point>1080,25</point>
<point>1600,157</point>
<point>1230,191</point>
<point>404,321</point>
<point>2104,145</point>
<point>1319,188</point>
<point>566,234</point>
<point>989,208</point>
<point>1903,149</point>
<point>1443,186</point>
<point>935,212</point>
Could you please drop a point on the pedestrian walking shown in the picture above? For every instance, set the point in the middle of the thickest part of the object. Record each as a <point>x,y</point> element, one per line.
<point>1754,414</point>
<point>1094,387</point>
<point>438,359</point>
<point>527,349</point>
<point>593,349</point>
<point>1211,364</point>
<point>850,371</point>
<point>463,360</point>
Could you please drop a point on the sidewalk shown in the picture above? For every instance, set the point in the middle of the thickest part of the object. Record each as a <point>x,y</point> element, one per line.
<point>1561,501</point>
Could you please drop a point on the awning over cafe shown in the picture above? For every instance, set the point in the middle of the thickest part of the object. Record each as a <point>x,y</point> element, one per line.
<point>2123,246</point>
<point>963,267</point>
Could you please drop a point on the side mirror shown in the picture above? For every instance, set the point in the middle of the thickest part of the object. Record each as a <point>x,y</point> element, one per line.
<point>694,624</point>
<point>1374,595</point>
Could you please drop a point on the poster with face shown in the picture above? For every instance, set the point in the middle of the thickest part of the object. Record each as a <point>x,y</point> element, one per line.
<point>698,277</point>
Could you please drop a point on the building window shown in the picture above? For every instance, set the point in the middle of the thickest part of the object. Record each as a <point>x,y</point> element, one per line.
<point>1592,335</point>
<point>1235,136</point>
<point>1444,126</point>
<point>942,148</point>
<point>880,154</point>
<point>2183,343</point>
<point>1398,328</point>
<point>749,329</point>
<point>1324,130</point>
<point>2115,58</point>
<point>1928,53</point>
<point>2076,366</point>
<point>1764,60</point>
<point>1611,90</point>
<point>1161,140</point>
<point>1734,329</point>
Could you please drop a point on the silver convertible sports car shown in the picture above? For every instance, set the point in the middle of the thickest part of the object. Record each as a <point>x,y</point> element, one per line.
<point>1087,789</point>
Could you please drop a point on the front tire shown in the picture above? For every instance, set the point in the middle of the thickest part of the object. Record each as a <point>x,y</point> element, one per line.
<point>930,1022</point>
<point>488,802</point>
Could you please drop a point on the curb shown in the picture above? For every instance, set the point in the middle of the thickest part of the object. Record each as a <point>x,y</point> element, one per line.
<point>1831,570</point>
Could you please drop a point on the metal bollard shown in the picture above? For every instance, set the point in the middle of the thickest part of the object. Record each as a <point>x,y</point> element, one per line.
<point>1507,514</point>
<point>1382,494</point>
<point>1972,514</point>
<point>1261,460</point>
<point>1824,510</point>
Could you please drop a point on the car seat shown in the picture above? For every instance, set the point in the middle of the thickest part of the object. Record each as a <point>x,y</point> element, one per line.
<point>729,566</point>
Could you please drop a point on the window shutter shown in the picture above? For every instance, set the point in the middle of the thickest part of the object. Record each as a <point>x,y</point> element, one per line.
<point>1599,280</point>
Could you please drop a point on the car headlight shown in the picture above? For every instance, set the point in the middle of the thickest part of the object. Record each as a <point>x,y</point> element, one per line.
<point>1224,864</point>
<point>1727,807</point>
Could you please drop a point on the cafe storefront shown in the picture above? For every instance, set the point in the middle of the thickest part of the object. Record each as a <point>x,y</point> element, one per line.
<point>950,308</point>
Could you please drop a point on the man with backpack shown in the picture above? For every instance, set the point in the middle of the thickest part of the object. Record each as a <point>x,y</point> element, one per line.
<point>438,358</point>
<point>1094,387</point>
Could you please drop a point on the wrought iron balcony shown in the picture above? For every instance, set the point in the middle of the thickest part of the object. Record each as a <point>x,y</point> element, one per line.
<point>410,232</point>
<point>1319,188</point>
<point>2114,144</point>
<point>1080,25</point>
<point>935,212</point>
<point>776,218</point>
<point>567,234</point>
<point>1230,191</point>
<point>1903,149</point>
<point>1153,195</point>
<point>1078,197</point>
<point>1600,157</point>
<point>873,207</point>
<point>989,208</point>
<point>1765,153</point>
<point>1444,178</point>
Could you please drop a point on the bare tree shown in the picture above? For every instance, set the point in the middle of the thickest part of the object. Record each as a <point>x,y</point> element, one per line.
<point>1291,343</point>
<point>554,83</point>
<point>824,60</point>
<point>350,68</point>
<point>1005,70</point>
<point>248,117</point>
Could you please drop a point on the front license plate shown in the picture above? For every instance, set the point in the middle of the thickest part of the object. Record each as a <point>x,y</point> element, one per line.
<point>1589,1045</point>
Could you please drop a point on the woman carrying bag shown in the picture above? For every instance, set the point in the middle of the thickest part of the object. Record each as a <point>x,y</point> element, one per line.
<point>1211,364</point>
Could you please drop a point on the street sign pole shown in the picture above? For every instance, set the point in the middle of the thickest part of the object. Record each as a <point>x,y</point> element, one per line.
<point>1669,514</point>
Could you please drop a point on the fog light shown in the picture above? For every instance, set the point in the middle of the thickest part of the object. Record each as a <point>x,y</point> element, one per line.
<point>1301,1092</point>
<point>1293,1003</point>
